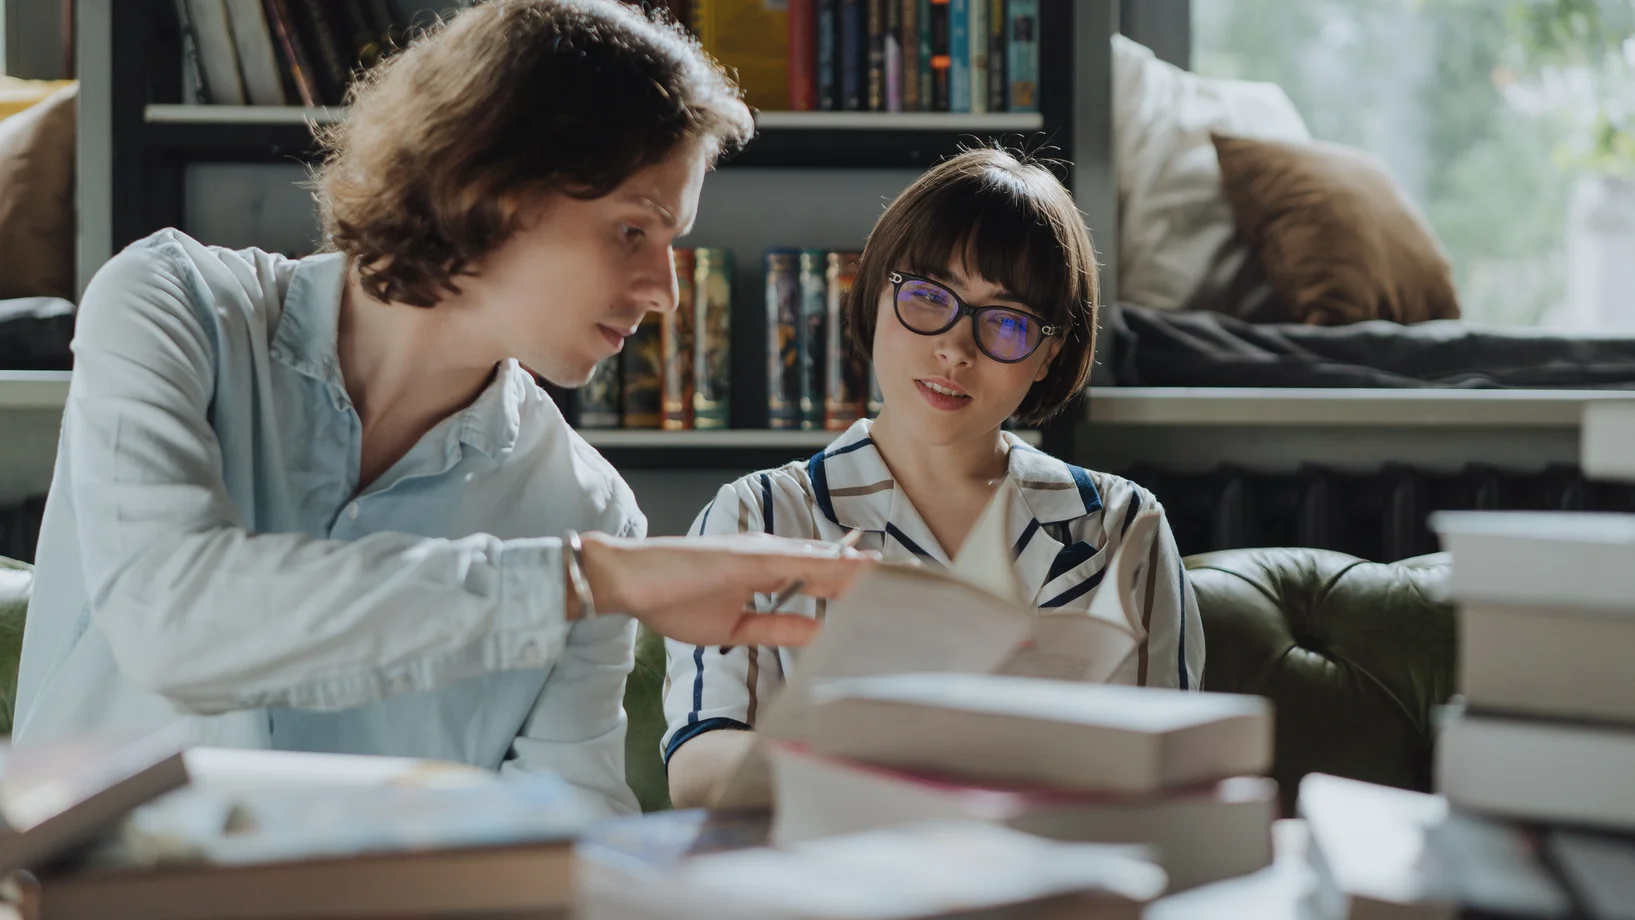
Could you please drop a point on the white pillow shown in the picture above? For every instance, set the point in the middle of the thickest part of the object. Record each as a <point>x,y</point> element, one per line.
<point>1177,237</point>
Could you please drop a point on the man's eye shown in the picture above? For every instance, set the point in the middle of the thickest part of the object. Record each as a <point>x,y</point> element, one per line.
<point>631,233</point>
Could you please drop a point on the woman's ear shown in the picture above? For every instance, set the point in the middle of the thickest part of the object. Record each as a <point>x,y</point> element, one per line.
<point>1052,346</point>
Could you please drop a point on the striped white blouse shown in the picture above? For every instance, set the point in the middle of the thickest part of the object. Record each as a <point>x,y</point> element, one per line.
<point>1066,525</point>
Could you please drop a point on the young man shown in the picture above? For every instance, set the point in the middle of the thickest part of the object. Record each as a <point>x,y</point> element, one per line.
<point>322,505</point>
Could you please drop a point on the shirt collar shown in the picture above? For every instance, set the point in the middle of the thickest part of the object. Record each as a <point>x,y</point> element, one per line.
<point>306,341</point>
<point>853,487</point>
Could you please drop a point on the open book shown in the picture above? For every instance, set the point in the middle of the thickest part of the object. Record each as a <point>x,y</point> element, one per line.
<point>972,618</point>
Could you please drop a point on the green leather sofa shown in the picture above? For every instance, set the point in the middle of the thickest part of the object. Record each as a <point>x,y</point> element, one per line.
<point>1353,654</point>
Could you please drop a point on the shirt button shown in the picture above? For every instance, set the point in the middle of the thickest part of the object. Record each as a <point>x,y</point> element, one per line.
<point>352,511</point>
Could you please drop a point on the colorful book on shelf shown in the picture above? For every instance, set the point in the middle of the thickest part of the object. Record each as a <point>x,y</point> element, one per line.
<point>783,321</point>
<point>813,336</point>
<point>894,55</point>
<point>922,57</point>
<point>803,55</point>
<point>977,34</point>
<point>877,55</point>
<point>998,88</point>
<point>959,55</point>
<point>292,46</point>
<point>1022,55</point>
<point>598,400</point>
<point>643,386</point>
<point>909,65</point>
<point>845,374</point>
<point>828,56</point>
<point>854,55</point>
<point>676,338</point>
<point>712,338</point>
<point>941,55</point>
<point>751,38</point>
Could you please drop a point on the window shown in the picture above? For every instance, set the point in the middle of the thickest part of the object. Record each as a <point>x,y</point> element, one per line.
<point>1511,122</point>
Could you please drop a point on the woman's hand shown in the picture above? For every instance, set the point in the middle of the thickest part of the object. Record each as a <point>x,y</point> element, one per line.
<point>700,589</point>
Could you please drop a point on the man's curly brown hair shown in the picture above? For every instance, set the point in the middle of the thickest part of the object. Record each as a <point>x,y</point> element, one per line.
<point>446,141</point>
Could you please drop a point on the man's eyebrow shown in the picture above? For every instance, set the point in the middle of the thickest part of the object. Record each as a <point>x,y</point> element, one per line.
<point>663,212</point>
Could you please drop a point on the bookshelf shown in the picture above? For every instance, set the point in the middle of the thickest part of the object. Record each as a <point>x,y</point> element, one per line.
<point>138,142</point>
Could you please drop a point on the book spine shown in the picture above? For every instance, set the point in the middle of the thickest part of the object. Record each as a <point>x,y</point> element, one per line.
<point>214,39</point>
<point>294,53</point>
<point>828,55</point>
<point>598,400</point>
<point>803,88</point>
<point>846,399</point>
<point>1022,56</point>
<point>813,336</point>
<point>940,60</point>
<point>783,321</point>
<point>909,35</point>
<point>998,85</point>
<point>644,375</point>
<point>327,49</point>
<point>676,339</point>
<point>877,55</point>
<point>712,337</point>
<point>978,35</point>
<point>959,56</point>
<point>854,63</point>
<point>922,14</point>
<point>256,56</point>
<point>894,55</point>
<point>194,89</point>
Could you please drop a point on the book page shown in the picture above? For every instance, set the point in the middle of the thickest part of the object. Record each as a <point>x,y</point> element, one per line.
<point>894,620</point>
<point>1091,645</point>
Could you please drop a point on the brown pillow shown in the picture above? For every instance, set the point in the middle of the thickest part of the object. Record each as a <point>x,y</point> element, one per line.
<point>1339,239</point>
<point>37,199</point>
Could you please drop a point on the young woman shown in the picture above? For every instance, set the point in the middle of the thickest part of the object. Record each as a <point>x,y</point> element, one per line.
<point>976,299</point>
<point>322,505</point>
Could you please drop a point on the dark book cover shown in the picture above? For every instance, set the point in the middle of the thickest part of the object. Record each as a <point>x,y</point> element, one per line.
<point>1022,56</point>
<point>845,374</point>
<point>292,49</point>
<point>803,89</point>
<point>194,86</point>
<point>941,59</point>
<point>894,55</point>
<point>854,60</point>
<point>676,336</point>
<point>959,55</point>
<point>812,339</point>
<point>324,50</point>
<point>998,38</point>
<point>923,58</point>
<point>783,322</point>
<point>598,400</point>
<point>828,55</point>
<point>712,338</point>
<point>909,35</point>
<point>644,375</point>
<point>877,55</point>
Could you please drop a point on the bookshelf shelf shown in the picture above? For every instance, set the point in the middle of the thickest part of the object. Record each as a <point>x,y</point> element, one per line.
<point>784,139</point>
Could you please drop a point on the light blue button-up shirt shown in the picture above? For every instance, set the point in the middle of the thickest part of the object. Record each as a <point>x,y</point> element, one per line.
<point>206,556</point>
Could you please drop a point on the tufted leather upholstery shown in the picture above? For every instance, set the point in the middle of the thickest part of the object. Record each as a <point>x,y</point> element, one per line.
<point>1354,655</point>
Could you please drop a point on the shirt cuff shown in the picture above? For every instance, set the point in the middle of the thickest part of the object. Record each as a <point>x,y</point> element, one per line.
<point>688,732</point>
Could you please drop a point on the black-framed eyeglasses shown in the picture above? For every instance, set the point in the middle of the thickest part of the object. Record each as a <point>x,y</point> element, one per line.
<point>1005,334</point>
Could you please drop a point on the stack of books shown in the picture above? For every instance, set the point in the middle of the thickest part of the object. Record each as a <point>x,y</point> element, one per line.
<point>1178,772</point>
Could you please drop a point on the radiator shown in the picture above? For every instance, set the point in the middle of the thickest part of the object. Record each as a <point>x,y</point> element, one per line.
<point>1379,516</point>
